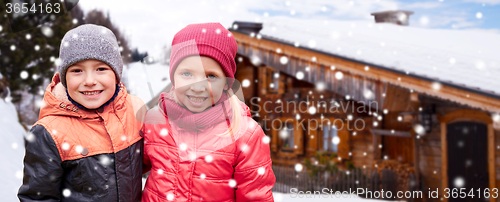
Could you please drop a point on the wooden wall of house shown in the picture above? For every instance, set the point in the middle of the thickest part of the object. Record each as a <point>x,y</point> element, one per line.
<point>362,149</point>
<point>430,159</point>
<point>245,71</point>
<point>497,157</point>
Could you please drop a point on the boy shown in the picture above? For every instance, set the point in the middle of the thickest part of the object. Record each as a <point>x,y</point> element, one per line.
<point>86,144</point>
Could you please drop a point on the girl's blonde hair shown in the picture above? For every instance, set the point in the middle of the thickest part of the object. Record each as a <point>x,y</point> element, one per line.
<point>235,122</point>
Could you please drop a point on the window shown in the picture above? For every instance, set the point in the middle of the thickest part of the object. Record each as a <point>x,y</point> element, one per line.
<point>274,86</point>
<point>287,135</point>
<point>329,137</point>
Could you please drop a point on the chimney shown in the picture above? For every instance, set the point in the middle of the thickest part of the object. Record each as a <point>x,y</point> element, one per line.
<point>398,17</point>
<point>247,27</point>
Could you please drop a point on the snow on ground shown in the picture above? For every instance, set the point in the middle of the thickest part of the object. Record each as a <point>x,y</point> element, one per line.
<point>466,57</point>
<point>288,197</point>
<point>12,152</point>
<point>138,75</point>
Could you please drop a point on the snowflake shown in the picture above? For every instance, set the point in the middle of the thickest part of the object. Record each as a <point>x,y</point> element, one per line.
<point>266,139</point>
<point>182,146</point>
<point>245,83</point>
<point>419,129</point>
<point>298,167</point>
<point>459,182</point>
<point>192,156</point>
<point>320,86</point>
<point>232,183</point>
<point>424,20</point>
<point>104,160</point>
<point>170,197</point>
<point>65,146</point>
<point>255,60</point>
<point>244,148</point>
<point>311,44</point>
<point>163,132</point>
<point>261,171</point>
<point>312,110</point>
<point>66,193</point>
<point>209,158</point>
<point>47,31</point>
<point>283,60</point>
<point>453,61</point>
<point>299,75</point>
<point>19,174</point>
<point>79,148</point>
<point>479,15</point>
<point>336,140</point>
<point>436,86</point>
<point>368,94</point>
<point>339,75</point>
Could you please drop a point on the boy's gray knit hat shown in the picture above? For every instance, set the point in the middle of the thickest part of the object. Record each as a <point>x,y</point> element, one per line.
<point>89,42</point>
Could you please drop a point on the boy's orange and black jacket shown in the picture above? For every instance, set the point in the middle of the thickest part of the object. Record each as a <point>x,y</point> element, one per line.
<point>80,155</point>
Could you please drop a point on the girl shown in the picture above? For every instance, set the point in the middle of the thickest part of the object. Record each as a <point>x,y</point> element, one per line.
<point>86,145</point>
<point>200,142</point>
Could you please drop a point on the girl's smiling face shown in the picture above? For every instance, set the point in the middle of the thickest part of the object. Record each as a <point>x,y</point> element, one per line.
<point>91,83</point>
<point>194,78</point>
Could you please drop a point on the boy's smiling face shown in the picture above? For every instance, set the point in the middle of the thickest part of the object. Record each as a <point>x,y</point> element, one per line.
<point>90,83</point>
<point>193,79</point>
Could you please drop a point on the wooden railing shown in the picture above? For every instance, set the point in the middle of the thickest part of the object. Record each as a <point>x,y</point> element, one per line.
<point>287,178</point>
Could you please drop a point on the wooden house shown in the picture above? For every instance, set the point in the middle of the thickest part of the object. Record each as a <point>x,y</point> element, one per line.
<point>309,98</point>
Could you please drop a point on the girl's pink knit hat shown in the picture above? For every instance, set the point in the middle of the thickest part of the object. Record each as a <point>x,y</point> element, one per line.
<point>206,39</point>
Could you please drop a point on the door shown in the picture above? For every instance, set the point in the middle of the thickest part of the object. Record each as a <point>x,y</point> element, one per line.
<point>467,158</point>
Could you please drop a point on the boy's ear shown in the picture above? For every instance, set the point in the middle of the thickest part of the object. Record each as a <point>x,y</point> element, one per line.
<point>226,87</point>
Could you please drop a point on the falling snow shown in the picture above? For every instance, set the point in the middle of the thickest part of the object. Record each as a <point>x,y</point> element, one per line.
<point>298,167</point>
<point>299,75</point>
<point>232,183</point>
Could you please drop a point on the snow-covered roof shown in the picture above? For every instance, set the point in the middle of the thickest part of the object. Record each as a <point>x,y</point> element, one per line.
<point>462,58</point>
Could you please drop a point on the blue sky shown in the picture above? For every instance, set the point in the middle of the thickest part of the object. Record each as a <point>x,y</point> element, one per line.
<point>461,14</point>
<point>445,14</point>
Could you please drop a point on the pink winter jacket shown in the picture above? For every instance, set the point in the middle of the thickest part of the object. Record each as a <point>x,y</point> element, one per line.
<point>195,165</point>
